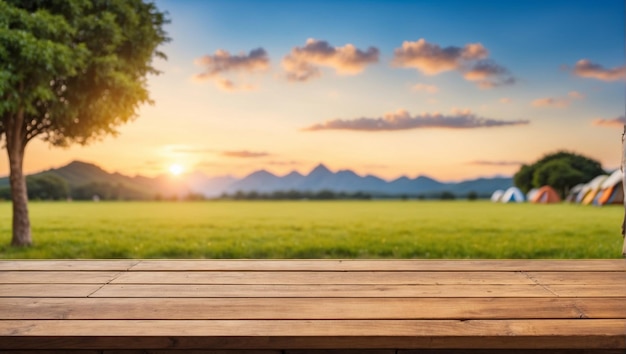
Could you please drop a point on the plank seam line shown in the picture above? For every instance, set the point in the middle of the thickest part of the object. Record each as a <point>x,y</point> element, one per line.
<point>581,313</point>
<point>113,278</point>
<point>137,262</point>
<point>538,283</point>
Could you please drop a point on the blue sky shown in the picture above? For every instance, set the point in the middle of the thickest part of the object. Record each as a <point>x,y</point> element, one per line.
<point>449,89</point>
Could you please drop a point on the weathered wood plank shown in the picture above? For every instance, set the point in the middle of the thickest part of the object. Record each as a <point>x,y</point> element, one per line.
<point>322,308</point>
<point>67,265</point>
<point>313,291</point>
<point>578,278</point>
<point>47,290</point>
<point>59,277</point>
<point>314,334</point>
<point>313,277</point>
<point>568,307</point>
<point>600,290</point>
<point>610,265</point>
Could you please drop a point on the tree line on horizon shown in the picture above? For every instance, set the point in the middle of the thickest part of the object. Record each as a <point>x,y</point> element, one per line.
<point>561,170</point>
<point>50,187</point>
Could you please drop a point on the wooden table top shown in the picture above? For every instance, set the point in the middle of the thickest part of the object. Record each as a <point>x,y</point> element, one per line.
<point>276,305</point>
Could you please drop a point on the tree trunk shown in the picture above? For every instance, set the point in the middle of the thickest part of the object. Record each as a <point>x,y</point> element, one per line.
<point>624,185</point>
<point>16,145</point>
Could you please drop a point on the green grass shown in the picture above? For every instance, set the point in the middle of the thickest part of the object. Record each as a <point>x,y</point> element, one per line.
<point>307,229</point>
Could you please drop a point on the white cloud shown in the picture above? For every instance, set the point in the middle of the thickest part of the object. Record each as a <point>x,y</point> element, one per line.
<point>302,63</point>
<point>402,120</point>
<point>222,62</point>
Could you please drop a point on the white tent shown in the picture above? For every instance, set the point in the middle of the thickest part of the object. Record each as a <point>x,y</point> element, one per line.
<point>611,190</point>
<point>589,191</point>
<point>574,192</point>
<point>497,195</point>
<point>531,193</point>
<point>613,179</point>
<point>513,195</point>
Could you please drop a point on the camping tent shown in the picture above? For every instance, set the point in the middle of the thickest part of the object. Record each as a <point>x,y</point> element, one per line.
<point>546,194</point>
<point>573,193</point>
<point>611,190</point>
<point>591,189</point>
<point>511,195</point>
<point>531,193</point>
<point>497,195</point>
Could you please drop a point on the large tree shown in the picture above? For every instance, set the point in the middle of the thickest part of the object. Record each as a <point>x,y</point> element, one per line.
<point>71,71</point>
<point>561,170</point>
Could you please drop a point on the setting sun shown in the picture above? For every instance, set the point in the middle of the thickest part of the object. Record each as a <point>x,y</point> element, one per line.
<point>176,169</point>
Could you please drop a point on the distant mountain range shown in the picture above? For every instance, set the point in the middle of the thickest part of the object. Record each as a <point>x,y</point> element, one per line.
<point>79,173</point>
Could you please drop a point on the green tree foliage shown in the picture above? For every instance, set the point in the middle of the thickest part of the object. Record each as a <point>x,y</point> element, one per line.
<point>447,195</point>
<point>107,191</point>
<point>71,71</point>
<point>5,193</point>
<point>561,170</point>
<point>47,187</point>
<point>296,195</point>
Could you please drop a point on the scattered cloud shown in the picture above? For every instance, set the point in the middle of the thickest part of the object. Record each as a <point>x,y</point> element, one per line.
<point>487,74</point>
<point>558,102</point>
<point>551,102</point>
<point>222,62</point>
<point>425,88</point>
<point>495,163</point>
<point>471,60</point>
<point>505,100</point>
<point>402,120</point>
<point>303,63</point>
<point>431,59</point>
<point>617,122</point>
<point>585,68</point>
<point>244,154</point>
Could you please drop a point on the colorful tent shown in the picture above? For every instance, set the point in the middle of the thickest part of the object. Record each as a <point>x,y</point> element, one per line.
<point>612,190</point>
<point>497,195</point>
<point>513,195</point>
<point>589,191</point>
<point>573,193</point>
<point>531,193</point>
<point>546,194</point>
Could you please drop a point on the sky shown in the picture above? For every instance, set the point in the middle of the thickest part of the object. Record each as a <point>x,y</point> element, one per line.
<point>449,89</point>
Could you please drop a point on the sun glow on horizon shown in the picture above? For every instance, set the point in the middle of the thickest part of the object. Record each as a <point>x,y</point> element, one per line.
<point>176,169</point>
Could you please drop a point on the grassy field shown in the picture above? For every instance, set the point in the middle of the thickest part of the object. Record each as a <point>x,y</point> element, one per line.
<point>307,229</point>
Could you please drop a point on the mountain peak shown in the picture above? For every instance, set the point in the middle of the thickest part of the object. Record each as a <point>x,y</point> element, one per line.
<point>293,174</point>
<point>320,169</point>
<point>261,173</point>
<point>81,164</point>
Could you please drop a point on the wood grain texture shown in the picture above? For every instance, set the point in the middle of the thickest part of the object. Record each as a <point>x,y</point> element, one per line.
<point>56,277</point>
<point>316,334</point>
<point>320,308</point>
<point>612,265</point>
<point>313,306</point>
<point>69,265</point>
<point>319,278</point>
<point>48,290</point>
<point>345,291</point>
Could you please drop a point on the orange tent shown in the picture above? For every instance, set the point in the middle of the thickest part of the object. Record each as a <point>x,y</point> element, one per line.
<point>546,194</point>
<point>612,195</point>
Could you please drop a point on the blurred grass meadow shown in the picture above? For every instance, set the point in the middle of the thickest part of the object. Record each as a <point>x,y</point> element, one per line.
<point>316,229</point>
